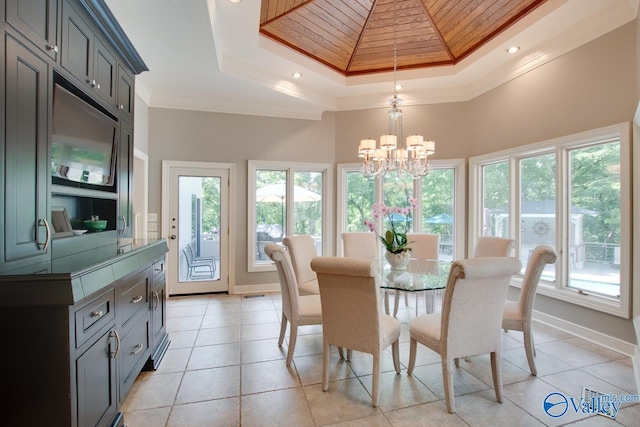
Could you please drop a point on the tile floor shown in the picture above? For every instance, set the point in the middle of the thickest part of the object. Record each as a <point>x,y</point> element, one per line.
<point>224,368</point>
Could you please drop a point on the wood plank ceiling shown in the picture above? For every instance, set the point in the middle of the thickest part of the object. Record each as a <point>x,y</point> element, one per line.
<point>356,37</point>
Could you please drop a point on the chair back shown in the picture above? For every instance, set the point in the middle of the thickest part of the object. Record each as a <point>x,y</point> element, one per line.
<point>288,282</point>
<point>302,249</point>
<point>541,256</point>
<point>360,245</point>
<point>424,246</point>
<point>473,305</point>
<point>350,302</point>
<point>489,246</point>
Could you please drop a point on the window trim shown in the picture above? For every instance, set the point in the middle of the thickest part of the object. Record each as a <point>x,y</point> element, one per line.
<point>290,168</point>
<point>562,146</point>
<point>460,223</point>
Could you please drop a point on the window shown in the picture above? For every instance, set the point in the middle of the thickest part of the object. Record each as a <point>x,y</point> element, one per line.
<point>285,199</point>
<point>440,195</point>
<point>571,193</point>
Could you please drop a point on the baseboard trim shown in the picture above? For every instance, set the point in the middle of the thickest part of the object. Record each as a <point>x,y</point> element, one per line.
<point>596,337</point>
<point>256,289</point>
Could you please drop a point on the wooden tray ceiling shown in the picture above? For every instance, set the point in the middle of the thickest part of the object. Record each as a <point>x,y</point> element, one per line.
<point>356,36</point>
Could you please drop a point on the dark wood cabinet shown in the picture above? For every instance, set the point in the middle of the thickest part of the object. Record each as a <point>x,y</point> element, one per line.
<point>37,20</point>
<point>159,337</point>
<point>25,224</point>
<point>86,57</point>
<point>125,94</point>
<point>125,186</point>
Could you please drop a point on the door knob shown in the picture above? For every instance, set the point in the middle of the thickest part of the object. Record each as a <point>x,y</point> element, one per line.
<point>172,237</point>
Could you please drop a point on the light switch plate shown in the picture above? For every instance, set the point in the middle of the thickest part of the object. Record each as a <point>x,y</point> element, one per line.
<point>152,217</point>
<point>152,235</point>
<point>153,226</point>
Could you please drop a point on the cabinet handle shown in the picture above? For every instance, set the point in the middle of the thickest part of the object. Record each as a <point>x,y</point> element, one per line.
<point>120,106</point>
<point>44,223</point>
<point>157,298</point>
<point>97,313</point>
<point>114,334</point>
<point>137,349</point>
<point>52,48</point>
<point>96,85</point>
<point>136,299</point>
<point>124,222</point>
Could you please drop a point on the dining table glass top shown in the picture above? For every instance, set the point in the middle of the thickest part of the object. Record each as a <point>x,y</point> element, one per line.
<point>420,275</point>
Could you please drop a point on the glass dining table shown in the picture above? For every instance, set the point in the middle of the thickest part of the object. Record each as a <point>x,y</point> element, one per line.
<point>420,276</point>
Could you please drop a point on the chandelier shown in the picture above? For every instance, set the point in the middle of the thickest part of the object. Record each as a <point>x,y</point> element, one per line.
<point>393,154</point>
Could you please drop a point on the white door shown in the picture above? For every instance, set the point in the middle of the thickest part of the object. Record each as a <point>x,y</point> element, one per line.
<point>196,224</point>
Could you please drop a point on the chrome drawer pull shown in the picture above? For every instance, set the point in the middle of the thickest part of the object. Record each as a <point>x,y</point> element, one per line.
<point>114,334</point>
<point>97,313</point>
<point>137,349</point>
<point>157,298</point>
<point>136,299</point>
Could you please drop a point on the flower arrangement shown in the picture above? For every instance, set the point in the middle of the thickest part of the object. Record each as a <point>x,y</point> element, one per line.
<point>395,238</point>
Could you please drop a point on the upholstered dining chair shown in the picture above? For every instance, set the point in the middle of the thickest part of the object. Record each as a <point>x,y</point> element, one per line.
<point>517,314</point>
<point>360,245</point>
<point>489,246</point>
<point>301,250</point>
<point>297,310</point>
<point>351,314</point>
<point>471,318</point>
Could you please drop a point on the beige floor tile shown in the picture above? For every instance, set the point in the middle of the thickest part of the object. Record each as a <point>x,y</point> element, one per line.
<point>262,331</point>
<point>362,363</point>
<point>307,345</point>
<point>432,414</point>
<point>378,420</point>
<point>572,383</point>
<point>175,360</point>
<point>259,316</point>
<point>226,335</point>
<point>572,354</point>
<point>596,421</point>
<point>482,409</point>
<point>263,350</point>
<point>310,368</point>
<point>257,303</point>
<point>480,367</point>
<point>267,376</point>
<point>222,320</point>
<point>189,323</point>
<point>182,339</point>
<point>424,355</point>
<point>594,348</point>
<point>214,309</point>
<point>207,384</point>
<point>463,381</point>
<point>214,356</point>
<point>174,311</point>
<point>615,373</point>
<point>629,416</point>
<point>188,300</point>
<point>147,417</point>
<point>344,401</point>
<point>221,412</point>
<point>152,390</point>
<point>545,364</point>
<point>278,408</point>
<point>399,391</point>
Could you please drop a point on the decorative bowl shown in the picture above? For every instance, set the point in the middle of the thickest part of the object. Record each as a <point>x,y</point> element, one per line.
<point>78,232</point>
<point>98,225</point>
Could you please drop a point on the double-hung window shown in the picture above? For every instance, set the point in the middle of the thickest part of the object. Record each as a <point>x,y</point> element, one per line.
<point>571,193</point>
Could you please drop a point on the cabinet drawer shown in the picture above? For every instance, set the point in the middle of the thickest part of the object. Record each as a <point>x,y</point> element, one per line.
<point>93,316</point>
<point>133,297</point>
<point>158,272</point>
<point>133,354</point>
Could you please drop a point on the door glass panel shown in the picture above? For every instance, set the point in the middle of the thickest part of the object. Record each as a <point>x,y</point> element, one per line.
<point>307,206</point>
<point>199,228</point>
<point>537,208</point>
<point>438,209</point>
<point>594,219</point>
<point>271,210</point>
<point>495,199</point>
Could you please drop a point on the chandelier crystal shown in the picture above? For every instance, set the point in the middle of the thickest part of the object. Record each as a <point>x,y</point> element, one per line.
<point>393,154</point>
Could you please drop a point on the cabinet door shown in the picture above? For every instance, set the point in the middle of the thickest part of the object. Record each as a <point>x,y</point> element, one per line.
<point>125,182</point>
<point>158,310</point>
<point>36,20</point>
<point>77,45</point>
<point>97,381</point>
<point>125,95</point>
<point>104,73</point>
<point>25,161</point>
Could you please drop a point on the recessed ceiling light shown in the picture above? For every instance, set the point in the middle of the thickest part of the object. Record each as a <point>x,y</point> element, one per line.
<point>399,86</point>
<point>513,49</point>
<point>234,1</point>
<point>296,75</point>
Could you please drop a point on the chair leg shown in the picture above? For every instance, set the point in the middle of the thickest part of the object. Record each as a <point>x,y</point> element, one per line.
<point>293,336</point>
<point>406,299</point>
<point>349,353</point>
<point>326,357</point>
<point>283,329</point>
<point>375,392</point>
<point>413,345</point>
<point>496,371</point>
<point>456,361</point>
<point>530,349</point>
<point>447,379</point>
<point>386,302</point>
<point>395,350</point>
<point>396,303</point>
<point>340,352</point>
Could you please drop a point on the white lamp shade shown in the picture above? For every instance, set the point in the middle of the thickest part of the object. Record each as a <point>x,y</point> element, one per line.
<point>415,142</point>
<point>367,146</point>
<point>388,142</point>
<point>430,146</point>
